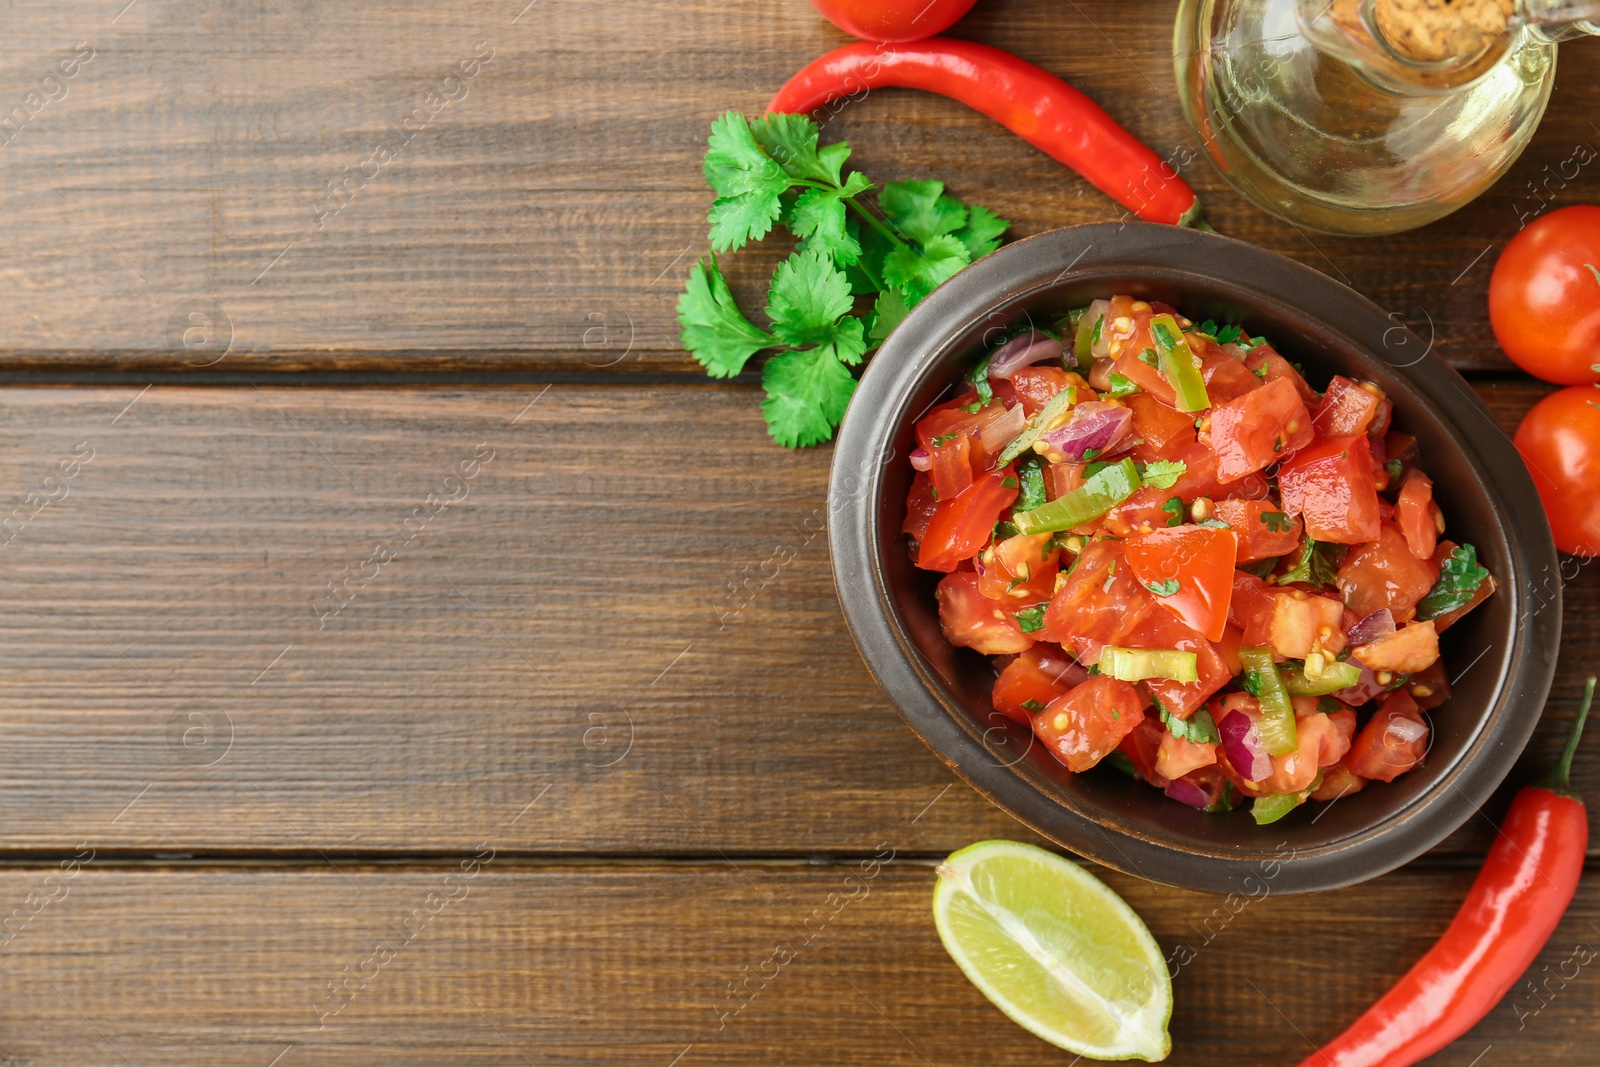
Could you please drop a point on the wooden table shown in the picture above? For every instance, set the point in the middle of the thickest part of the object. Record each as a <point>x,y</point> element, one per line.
<point>555,780</point>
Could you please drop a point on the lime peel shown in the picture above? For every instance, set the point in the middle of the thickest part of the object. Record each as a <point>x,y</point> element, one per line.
<point>1055,949</point>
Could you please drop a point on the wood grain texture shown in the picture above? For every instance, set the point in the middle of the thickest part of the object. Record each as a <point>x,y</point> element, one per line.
<point>634,966</point>
<point>548,215</point>
<point>604,614</point>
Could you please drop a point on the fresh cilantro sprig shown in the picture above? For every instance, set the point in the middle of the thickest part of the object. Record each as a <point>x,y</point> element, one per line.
<point>772,172</point>
<point>1459,578</point>
<point>1317,564</point>
<point>1198,729</point>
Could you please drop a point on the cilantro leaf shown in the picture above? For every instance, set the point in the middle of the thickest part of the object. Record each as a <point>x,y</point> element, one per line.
<point>791,141</point>
<point>1198,729</point>
<point>1033,705</point>
<point>887,313</point>
<point>1163,473</point>
<point>1459,578</point>
<point>715,331</point>
<point>1121,386</point>
<point>818,218</point>
<point>808,299</point>
<point>1032,495</point>
<point>807,393</point>
<point>1174,508</point>
<point>1276,521</point>
<point>1030,620</point>
<point>1149,356</point>
<point>747,182</point>
<point>982,232</point>
<point>1394,467</point>
<point>918,274</point>
<point>1167,587</point>
<point>919,210</point>
<point>1316,565</point>
<point>979,377</point>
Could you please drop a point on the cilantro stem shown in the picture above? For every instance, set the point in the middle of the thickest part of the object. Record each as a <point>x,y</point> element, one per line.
<point>876,222</point>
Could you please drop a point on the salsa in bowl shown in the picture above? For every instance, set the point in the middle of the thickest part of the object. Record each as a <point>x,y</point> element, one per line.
<point>1272,496</point>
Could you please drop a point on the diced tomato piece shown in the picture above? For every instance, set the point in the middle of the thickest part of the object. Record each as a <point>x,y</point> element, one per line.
<point>1189,568</point>
<point>1062,478</point>
<point>971,620</point>
<point>1273,367</point>
<point>1264,530</point>
<point>1087,724</point>
<point>1338,781</point>
<point>1129,342</point>
<point>1393,741</point>
<point>1158,629</point>
<point>1035,678</point>
<point>1141,746</point>
<point>1418,515</point>
<point>1322,744</point>
<point>1020,570</point>
<point>1226,378</point>
<point>1298,624</point>
<point>1348,407</point>
<point>1034,386</point>
<point>920,505</point>
<point>1200,477</point>
<point>1329,484</point>
<point>1251,606</point>
<point>1413,647</point>
<point>1365,690</point>
<point>1484,591</point>
<point>1384,574</point>
<point>1212,782</point>
<point>952,465</point>
<point>1177,756</point>
<point>1430,686</point>
<point>1157,423</point>
<point>1257,428</point>
<point>961,526</point>
<point>1100,601</point>
<point>1147,509</point>
<point>1228,647</point>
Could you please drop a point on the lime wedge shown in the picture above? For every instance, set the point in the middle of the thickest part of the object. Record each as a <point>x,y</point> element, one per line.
<point>1055,949</point>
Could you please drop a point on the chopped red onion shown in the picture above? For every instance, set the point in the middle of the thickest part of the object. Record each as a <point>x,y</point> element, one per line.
<point>1378,624</point>
<point>1187,792</point>
<point>1021,352</point>
<point>1242,744</point>
<point>1095,426</point>
<point>1002,429</point>
<point>920,459</point>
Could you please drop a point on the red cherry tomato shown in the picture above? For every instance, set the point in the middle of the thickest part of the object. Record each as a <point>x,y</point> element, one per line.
<point>1544,296</point>
<point>1560,442</point>
<point>895,21</point>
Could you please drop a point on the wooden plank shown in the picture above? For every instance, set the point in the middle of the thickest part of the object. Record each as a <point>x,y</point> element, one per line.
<point>547,216</point>
<point>635,965</point>
<point>605,614</point>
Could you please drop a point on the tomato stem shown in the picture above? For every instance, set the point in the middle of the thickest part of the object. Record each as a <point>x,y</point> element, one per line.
<point>1559,780</point>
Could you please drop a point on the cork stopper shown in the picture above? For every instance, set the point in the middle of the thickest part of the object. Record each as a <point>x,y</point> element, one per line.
<point>1431,31</point>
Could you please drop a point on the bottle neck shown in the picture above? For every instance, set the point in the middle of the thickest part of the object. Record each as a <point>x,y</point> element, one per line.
<point>1405,45</point>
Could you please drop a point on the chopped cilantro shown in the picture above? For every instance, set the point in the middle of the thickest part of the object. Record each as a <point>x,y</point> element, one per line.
<point>972,408</point>
<point>1215,523</point>
<point>1094,334</point>
<point>1122,386</point>
<point>1163,473</point>
<point>1032,705</point>
<point>979,377</point>
<point>1163,335</point>
<point>1149,356</point>
<point>1008,482</point>
<point>1250,682</point>
<point>1199,729</point>
<point>1330,706</point>
<point>1031,472</point>
<point>1031,619</point>
<point>944,439</point>
<point>1119,759</point>
<point>1394,467</point>
<point>1004,529</point>
<point>1174,508</point>
<point>1316,565</point>
<point>1227,335</point>
<point>1090,453</point>
<point>1277,521</point>
<point>1226,801</point>
<point>1261,567</point>
<point>1260,372</point>
<point>1094,467</point>
<point>1459,579</point>
<point>1167,587</point>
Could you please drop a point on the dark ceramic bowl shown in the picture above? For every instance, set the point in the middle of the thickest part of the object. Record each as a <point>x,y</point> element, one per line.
<point>1501,657</point>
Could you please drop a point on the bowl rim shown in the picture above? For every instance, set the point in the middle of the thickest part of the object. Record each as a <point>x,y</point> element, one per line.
<point>1032,267</point>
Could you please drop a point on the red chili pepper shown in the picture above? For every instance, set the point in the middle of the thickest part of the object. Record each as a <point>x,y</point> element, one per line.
<point>1035,105</point>
<point>1513,908</point>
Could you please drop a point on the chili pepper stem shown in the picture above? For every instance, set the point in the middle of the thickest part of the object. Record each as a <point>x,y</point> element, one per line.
<point>1559,780</point>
